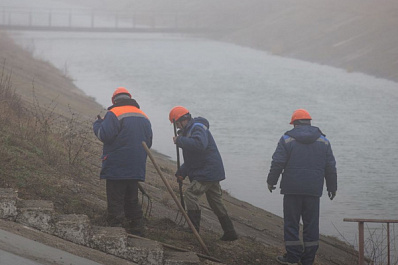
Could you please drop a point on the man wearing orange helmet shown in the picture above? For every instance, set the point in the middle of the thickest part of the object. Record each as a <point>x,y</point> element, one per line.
<point>122,131</point>
<point>305,159</point>
<point>204,167</point>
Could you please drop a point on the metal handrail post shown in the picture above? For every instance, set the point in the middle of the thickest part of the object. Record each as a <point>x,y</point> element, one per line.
<point>361,243</point>
<point>388,243</point>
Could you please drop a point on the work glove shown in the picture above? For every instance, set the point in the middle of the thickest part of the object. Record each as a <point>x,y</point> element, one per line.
<point>331,194</point>
<point>271,187</point>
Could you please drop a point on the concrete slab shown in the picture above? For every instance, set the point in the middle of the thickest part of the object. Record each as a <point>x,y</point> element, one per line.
<point>144,251</point>
<point>181,258</point>
<point>75,228</point>
<point>37,214</point>
<point>8,201</point>
<point>7,258</point>
<point>32,252</point>
<point>34,244</point>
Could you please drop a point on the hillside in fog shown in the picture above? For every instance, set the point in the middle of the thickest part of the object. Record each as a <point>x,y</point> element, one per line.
<point>355,35</point>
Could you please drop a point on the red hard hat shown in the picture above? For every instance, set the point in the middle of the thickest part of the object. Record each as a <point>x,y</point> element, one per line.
<point>177,112</point>
<point>120,90</point>
<point>300,114</point>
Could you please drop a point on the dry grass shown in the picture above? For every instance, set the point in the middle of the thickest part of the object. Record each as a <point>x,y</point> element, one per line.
<point>50,153</point>
<point>243,251</point>
<point>48,156</point>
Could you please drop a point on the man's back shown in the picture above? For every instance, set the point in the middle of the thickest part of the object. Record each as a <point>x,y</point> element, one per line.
<point>305,155</point>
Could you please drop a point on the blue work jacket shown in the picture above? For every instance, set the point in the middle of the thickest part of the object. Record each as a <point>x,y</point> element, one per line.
<point>122,131</point>
<point>202,160</point>
<point>304,157</point>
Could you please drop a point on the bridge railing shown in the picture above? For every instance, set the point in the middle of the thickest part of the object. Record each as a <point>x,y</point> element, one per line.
<point>361,237</point>
<point>40,18</point>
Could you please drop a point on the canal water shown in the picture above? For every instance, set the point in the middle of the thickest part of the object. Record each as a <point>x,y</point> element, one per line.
<point>248,97</point>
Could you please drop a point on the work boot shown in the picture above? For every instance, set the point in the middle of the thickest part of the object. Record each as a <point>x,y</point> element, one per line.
<point>136,227</point>
<point>115,221</point>
<point>284,260</point>
<point>194,216</point>
<point>228,227</point>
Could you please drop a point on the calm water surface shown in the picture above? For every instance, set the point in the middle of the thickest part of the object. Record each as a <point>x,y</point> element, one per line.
<point>248,96</point>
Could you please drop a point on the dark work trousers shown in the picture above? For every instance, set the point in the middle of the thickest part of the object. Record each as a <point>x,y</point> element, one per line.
<point>307,208</point>
<point>123,203</point>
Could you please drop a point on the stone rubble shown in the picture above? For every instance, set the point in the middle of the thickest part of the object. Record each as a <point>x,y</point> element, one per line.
<point>41,215</point>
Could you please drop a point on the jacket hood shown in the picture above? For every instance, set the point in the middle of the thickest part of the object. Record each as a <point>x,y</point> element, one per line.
<point>125,102</point>
<point>305,134</point>
<point>202,121</point>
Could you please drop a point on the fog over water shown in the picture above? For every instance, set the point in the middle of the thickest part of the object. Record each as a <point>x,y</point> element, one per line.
<point>248,97</point>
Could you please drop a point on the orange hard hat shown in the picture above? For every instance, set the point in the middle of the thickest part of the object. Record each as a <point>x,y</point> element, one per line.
<point>300,114</point>
<point>118,91</point>
<point>177,112</point>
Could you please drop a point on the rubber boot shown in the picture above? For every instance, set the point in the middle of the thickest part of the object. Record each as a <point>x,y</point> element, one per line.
<point>115,221</point>
<point>136,227</point>
<point>194,216</point>
<point>228,227</point>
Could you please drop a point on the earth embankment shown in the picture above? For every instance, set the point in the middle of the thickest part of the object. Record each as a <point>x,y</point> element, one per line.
<point>74,186</point>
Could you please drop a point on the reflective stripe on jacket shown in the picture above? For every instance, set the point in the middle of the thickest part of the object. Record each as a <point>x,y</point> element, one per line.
<point>202,160</point>
<point>122,131</point>
<point>304,157</point>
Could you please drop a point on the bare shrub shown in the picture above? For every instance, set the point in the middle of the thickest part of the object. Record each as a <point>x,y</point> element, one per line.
<point>77,139</point>
<point>376,244</point>
<point>9,99</point>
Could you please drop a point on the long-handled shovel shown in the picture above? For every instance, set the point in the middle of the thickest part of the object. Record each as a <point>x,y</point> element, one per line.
<point>175,199</point>
<point>178,167</point>
<point>179,218</point>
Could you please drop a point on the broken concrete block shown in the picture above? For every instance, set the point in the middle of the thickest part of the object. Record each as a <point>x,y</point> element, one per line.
<point>75,228</point>
<point>181,258</point>
<point>37,214</point>
<point>145,251</point>
<point>112,240</point>
<point>8,204</point>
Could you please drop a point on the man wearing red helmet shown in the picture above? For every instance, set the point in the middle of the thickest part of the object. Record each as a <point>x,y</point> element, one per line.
<point>123,129</point>
<point>204,167</point>
<point>305,159</point>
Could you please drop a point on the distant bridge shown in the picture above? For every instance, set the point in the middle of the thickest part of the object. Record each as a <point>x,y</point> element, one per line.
<point>87,20</point>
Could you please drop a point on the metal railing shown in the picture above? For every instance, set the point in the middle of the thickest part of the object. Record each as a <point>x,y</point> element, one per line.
<point>97,20</point>
<point>361,236</point>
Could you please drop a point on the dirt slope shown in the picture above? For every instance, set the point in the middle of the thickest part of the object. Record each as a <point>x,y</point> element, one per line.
<point>76,188</point>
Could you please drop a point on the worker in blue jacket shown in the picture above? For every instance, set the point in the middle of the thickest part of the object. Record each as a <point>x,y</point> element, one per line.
<point>122,131</point>
<point>305,159</point>
<point>204,167</point>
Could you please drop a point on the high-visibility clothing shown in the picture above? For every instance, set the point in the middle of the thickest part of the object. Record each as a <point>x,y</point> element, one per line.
<point>202,160</point>
<point>296,207</point>
<point>122,131</point>
<point>304,157</point>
